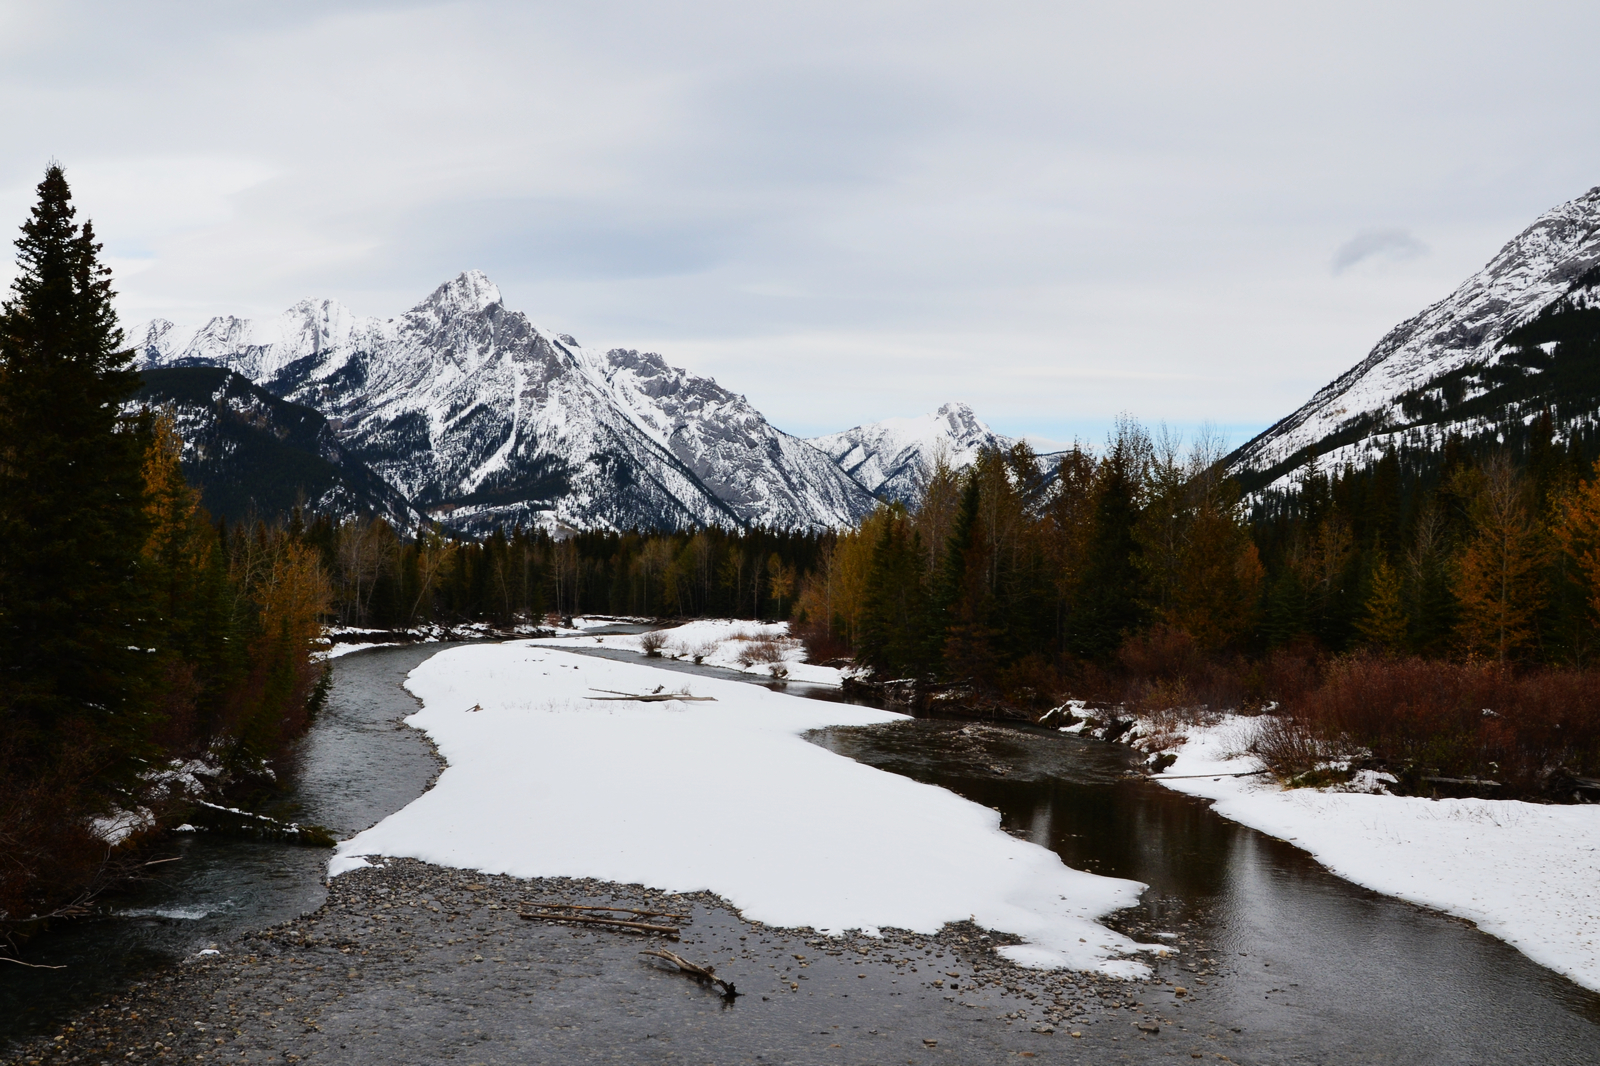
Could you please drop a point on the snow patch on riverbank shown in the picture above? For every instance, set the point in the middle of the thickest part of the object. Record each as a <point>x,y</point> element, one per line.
<point>763,648</point>
<point>544,780</point>
<point>1527,873</point>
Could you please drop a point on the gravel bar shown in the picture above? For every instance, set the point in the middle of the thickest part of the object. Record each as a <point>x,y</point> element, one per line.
<point>408,962</point>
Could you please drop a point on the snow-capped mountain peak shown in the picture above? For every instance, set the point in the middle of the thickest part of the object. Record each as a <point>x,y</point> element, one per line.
<point>470,292</point>
<point>482,417</point>
<point>890,458</point>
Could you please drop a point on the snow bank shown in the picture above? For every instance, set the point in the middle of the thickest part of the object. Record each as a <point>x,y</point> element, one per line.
<point>340,650</point>
<point>1524,872</point>
<point>725,796</point>
<point>752,647</point>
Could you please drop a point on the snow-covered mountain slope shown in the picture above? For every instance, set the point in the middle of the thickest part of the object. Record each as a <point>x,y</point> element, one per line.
<point>889,458</point>
<point>251,453</point>
<point>1495,353</point>
<point>482,417</point>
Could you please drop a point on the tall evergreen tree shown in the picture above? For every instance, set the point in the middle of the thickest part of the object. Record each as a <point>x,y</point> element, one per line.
<point>894,624</point>
<point>1109,604</point>
<point>73,631</point>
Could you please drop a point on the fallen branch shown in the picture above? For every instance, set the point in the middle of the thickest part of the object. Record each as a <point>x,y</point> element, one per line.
<point>618,923</point>
<point>623,910</point>
<point>652,697</point>
<point>158,862</point>
<point>30,965</point>
<point>703,974</point>
<point>1185,777</point>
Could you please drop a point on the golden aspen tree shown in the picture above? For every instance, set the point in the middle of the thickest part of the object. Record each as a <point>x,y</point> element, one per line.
<point>780,580</point>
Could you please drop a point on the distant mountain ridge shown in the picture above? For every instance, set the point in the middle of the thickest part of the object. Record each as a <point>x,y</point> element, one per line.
<point>1518,339</point>
<point>890,458</point>
<point>480,417</point>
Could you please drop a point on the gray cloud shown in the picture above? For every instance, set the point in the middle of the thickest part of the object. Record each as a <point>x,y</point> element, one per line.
<point>1396,244</point>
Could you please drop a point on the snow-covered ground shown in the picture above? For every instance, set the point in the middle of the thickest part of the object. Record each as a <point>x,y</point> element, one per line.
<point>546,780</point>
<point>1527,873</point>
<point>754,647</point>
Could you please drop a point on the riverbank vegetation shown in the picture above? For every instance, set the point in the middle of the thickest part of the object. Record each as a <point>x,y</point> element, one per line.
<point>144,652</point>
<point>1440,625</point>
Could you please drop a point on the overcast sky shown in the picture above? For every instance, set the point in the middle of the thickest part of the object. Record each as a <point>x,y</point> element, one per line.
<point>1055,212</point>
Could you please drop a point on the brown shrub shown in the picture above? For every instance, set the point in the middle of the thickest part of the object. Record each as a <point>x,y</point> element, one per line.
<point>1164,669</point>
<point>1031,683</point>
<point>49,855</point>
<point>821,644</point>
<point>762,650</point>
<point>1419,718</point>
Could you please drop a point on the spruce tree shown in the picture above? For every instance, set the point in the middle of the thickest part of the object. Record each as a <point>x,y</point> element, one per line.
<point>1109,605</point>
<point>73,633</point>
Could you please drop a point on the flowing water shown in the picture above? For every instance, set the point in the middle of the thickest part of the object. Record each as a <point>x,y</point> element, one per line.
<point>1305,966</point>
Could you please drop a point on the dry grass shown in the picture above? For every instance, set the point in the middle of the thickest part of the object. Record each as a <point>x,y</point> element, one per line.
<point>763,649</point>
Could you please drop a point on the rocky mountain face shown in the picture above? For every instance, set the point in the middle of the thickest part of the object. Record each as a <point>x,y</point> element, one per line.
<point>480,417</point>
<point>1518,339</point>
<point>890,458</point>
<point>252,453</point>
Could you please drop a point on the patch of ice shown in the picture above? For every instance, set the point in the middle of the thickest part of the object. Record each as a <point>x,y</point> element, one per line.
<point>119,825</point>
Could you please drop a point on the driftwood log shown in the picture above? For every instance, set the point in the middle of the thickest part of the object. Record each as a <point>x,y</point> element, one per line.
<point>703,974</point>
<point>609,923</point>
<point>651,697</point>
<point>614,910</point>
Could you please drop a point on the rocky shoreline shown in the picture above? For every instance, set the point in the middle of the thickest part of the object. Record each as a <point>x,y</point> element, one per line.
<point>409,962</point>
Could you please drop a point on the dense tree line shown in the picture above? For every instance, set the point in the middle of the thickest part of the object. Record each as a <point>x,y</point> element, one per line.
<point>383,579</point>
<point>1007,575</point>
<point>134,634</point>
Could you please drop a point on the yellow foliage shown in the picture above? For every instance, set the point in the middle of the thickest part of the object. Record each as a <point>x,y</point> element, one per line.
<point>1383,620</point>
<point>170,503</point>
<point>1499,584</point>
<point>1578,535</point>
